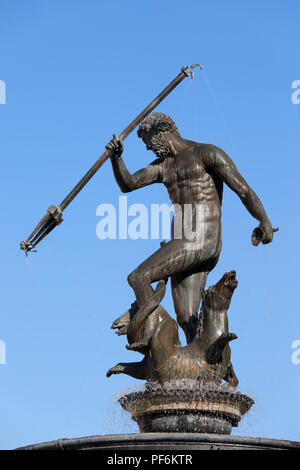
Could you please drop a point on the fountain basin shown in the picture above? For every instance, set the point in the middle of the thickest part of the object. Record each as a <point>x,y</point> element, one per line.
<point>186,407</point>
<point>164,442</point>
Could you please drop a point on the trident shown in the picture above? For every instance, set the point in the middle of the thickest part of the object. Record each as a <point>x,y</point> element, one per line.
<point>53,216</point>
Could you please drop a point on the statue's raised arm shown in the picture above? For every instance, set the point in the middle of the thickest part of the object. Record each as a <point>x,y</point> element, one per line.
<point>129,182</point>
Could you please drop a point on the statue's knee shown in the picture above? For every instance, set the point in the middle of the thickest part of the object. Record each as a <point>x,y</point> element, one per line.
<point>130,279</point>
<point>137,277</point>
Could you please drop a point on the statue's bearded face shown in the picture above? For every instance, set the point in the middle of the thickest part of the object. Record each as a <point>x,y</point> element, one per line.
<point>157,143</point>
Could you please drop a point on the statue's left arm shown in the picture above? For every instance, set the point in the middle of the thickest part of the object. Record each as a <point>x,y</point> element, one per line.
<point>222,165</point>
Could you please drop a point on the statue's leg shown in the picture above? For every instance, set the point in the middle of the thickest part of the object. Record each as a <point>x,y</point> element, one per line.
<point>187,290</point>
<point>173,258</point>
<point>138,336</point>
<point>187,295</point>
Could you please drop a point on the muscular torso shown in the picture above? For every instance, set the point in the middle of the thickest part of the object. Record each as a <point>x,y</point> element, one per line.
<point>188,181</point>
<point>198,193</point>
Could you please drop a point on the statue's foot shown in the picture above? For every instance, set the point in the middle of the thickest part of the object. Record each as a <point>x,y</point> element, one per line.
<point>118,369</point>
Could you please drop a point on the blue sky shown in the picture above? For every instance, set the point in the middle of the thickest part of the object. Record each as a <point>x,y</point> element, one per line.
<point>75,72</point>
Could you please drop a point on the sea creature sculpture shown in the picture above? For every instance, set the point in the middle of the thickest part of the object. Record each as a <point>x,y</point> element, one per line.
<point>154,333</point>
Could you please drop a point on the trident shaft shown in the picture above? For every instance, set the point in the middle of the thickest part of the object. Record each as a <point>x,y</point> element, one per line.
<point>53,216</point>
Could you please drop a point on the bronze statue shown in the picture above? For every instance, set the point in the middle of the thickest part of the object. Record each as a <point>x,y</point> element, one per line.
<point>184,390</point>
<point>193,174</point>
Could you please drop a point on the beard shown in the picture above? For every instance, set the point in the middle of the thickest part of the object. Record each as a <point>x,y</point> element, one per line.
<point>160,147</point>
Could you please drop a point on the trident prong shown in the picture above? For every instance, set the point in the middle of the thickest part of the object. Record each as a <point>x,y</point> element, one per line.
<point>188,70</point>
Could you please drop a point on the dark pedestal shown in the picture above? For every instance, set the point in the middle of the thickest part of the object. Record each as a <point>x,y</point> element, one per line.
<point>198,409</point>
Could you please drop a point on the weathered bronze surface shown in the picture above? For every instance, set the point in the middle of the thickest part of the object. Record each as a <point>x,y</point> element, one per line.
<point>190,388</point>
<point>193,174</point>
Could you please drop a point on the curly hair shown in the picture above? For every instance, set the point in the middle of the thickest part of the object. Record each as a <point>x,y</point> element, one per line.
<point>157,122</point>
